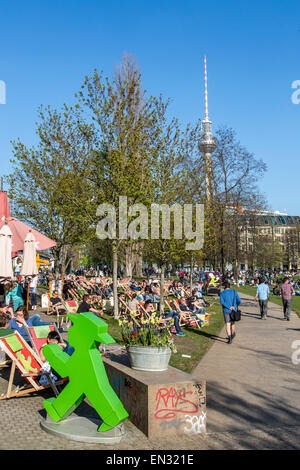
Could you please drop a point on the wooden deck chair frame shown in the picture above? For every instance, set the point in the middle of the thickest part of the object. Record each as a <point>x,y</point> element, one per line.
<point>74,295</point>
<point>127,309</point>
<point>143,309</point>
<point>127,291</point>
<point>32,385</point>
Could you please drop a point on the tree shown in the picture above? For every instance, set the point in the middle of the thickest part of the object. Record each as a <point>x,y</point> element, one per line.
<point>124,124</point>
<point>236,172</point>
<point>171,189</point>
<point>45,177</point>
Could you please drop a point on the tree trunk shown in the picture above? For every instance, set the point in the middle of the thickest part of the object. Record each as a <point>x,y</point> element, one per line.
<point>129,260</point>
<point>63,260</point>
<point>56,252</point>
<point>162,289</point>
<point>139,260</point>
<point>192,269</point>
<point>115,278</point>
<point>134,259</point>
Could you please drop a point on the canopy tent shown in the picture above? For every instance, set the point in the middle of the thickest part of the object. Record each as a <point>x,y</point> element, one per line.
<point>4,206</point>
<point>20,230</point>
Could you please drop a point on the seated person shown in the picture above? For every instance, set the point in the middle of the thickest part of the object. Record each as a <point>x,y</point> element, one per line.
<point>189,311</point>
<point>14,295</point>
<point>21,318</point>
<point>147,289</point>
<point>53,338</point>
<point>85,307</point>
<point>276,290</point>
<point>183,306</point>
<point>155,293</point>
<point>133,286</point>
<point>56,301</point>
<point>4,325</point>
<point>148,306</point>
<point>4,308</point>
<point>197,292</point>
<point>172,288</point>
<point>195,305</point>
<point>133,303</point>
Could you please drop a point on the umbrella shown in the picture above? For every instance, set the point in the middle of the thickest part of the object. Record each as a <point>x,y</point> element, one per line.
<point>29,266</point>
<point>6,270</point>
<point>20,230</point>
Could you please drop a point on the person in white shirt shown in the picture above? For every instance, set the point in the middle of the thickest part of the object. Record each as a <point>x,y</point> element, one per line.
<point>33,291</point>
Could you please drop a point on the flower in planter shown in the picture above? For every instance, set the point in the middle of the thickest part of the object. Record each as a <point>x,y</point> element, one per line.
<point>150,332</point>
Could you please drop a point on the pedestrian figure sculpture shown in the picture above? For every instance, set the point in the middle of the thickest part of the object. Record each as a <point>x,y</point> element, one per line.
<point>86,372</point>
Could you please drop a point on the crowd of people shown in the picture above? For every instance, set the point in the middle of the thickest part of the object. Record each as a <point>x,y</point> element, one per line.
<point>187,303</point>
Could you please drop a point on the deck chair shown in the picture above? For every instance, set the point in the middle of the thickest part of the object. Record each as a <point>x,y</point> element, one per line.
<point>143,309</point>
<point>185,318</point>
<point>38,336</point>
<point>71,305</point>
<point>56,310</point>
<point>29,364</point>
<point>74,295</point>
<point>128,314</point>
<point>174,305</point>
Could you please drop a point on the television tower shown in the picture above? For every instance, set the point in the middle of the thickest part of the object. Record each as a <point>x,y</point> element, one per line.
<point>207,145</point>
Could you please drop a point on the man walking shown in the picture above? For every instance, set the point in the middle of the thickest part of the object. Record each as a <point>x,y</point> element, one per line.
<point>262,294</point>
<point>229,300</point>
<point>286,291</point>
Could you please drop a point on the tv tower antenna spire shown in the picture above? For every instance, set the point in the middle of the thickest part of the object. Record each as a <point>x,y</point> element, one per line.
<point>207,143</point>
<point>206,100</point>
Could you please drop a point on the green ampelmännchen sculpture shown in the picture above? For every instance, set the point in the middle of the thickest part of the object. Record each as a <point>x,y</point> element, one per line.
<point>86,372</point>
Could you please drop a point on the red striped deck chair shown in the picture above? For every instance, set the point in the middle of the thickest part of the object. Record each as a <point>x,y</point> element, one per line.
<point>28,363</point>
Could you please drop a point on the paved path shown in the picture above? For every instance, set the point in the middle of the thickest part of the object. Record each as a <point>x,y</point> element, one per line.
<point>252,392</point>
<point>253,384</point>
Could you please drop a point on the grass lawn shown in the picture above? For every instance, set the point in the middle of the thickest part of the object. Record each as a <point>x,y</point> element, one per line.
<point>195,344</point>
<point>249,290</point>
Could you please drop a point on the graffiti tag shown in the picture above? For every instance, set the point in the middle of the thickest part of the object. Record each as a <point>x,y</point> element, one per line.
<point>197,424</point>
<point>169,402</point>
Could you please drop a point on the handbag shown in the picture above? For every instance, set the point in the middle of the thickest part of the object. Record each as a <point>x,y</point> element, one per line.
<point>235,315</point>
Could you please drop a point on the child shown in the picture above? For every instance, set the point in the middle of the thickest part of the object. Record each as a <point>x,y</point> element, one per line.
<point>53,338</point>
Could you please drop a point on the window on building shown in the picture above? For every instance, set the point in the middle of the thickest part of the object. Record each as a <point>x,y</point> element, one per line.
<point>273,220</point>
<point>282,219</point>
<point>265,219</point>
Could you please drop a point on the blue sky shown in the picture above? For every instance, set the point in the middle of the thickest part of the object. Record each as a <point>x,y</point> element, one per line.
<point>46,49</point>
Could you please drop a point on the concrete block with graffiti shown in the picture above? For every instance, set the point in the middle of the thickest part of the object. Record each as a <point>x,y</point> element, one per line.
<point>160,403</point>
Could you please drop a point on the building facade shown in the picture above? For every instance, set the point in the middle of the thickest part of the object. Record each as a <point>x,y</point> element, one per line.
<point>269,239</point>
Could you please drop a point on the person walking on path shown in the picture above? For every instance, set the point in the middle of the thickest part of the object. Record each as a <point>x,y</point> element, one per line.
<point>262,294</point>
<point>229,300</point>
<point>286,291</point>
